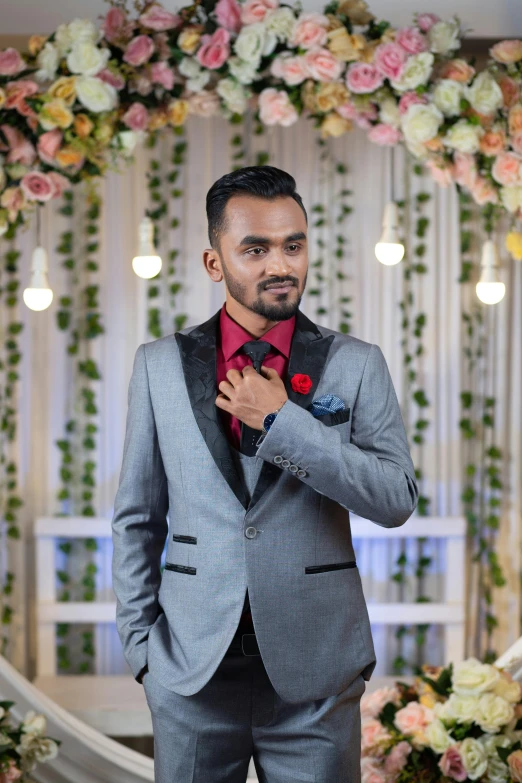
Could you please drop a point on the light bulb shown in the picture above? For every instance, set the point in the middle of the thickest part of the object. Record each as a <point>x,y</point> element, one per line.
<point>146,263</point>
<point>489,288</point>
<point>38,295</point>
<point>389,250</point>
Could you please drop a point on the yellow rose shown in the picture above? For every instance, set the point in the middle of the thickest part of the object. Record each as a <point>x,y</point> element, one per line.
<point>55,114</point>
<point>335,125</point>
<point>334,22</point>
<point>356,11</point>
<point>2,97</point>
<point>330,95</point>
<point>177,112</point>
<point>188,39</point>
<point>36,42</point>
<point>64,88</point>
<point>104,130</point>
<point>367,54</point>
<point>157,119</point>
<point>83,125</point>
<point>514,244</point>
<point>68,156</point>
<point>308,95</point>
<point>344,46</point>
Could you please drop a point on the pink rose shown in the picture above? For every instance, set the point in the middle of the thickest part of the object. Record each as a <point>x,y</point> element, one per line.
<point>116,27</point>
<point>363,78</point>
<point>363,119</point>
<point>322,65</point>
<point>214,49</point>
<point>60,183</point>
<point>396,760</point>
<point>310,29</point>
<point>507,168</point>
<point>349,112</point>
<point>136,117</point>
<point>20,149</point>
<point>162,74</point>
<point>12,774</point>
<point>441,173</point>
<point>408,98</point>
<point>510,90</point>
<point>11,62</point>
<point>142,85</point>
<point>204,104</point>
<point>411,39</point>
<point>425,21</point>
<point>516,142</point>
<point>37,186</point>
<point>370,772</point>
<point>161,41</point>
<point>115,79</point>
<point>12,199</point>
<point>464,169</point>
<point>514,761</point>
<point>255,10</point>
<point>16,92</point>
<point>157,18</point>
<point>373,734</point>
<point>413,718</point>
<point>389,59</point>
<point>49,144</point>
<point>139,50</point>
<point>451,764</point>
<point>483,191</point>
<point>509,51</point>
<point>291,69</point>
<point>457,69</point>
<point>384,134</point>
<point>275,107</point>
<point>228,15</point>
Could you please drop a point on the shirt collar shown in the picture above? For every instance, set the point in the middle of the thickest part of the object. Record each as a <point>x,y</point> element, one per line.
<point>233,336</point>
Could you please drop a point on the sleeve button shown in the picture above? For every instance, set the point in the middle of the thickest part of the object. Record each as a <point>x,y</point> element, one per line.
<point>301,473</point>
<point>293,468</point>
<point>285,463</point>
<point>278,459</point>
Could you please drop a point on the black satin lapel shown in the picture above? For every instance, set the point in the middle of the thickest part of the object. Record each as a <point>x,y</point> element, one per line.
<point>308,353</point>
<point>198,353</point>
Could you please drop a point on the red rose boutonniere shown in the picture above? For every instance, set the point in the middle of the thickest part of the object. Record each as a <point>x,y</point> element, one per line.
<point>301,383</point>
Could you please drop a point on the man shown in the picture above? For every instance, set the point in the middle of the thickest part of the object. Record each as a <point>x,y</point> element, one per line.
<point>257,431</point>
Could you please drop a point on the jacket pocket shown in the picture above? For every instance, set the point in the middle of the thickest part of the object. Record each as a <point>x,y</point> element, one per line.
<point>339,417</point>
<point>184,539</point>
<point>183,569</point>
<point>316,569</point>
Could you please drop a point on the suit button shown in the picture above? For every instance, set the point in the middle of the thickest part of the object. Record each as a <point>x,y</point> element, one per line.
<point>301,473</point>
<point>285,463</point>
<point>250,532</point>
<point>293,468</point>
<point>278,459</point>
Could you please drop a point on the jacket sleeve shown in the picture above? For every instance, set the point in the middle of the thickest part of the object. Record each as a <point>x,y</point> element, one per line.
<point>373,475</point>
<point>139,524</point>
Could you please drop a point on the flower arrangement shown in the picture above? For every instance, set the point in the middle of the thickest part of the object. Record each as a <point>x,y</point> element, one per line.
<point>22,748</point>
<point>461,723</point>
<point>83,97</point>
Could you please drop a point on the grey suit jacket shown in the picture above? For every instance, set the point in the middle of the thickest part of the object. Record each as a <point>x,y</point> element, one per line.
<point>291,544</point>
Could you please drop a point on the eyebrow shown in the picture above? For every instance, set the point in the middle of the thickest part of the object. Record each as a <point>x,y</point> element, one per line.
<point>253,239</point>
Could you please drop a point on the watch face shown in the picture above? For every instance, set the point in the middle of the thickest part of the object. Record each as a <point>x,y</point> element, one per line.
<point>269,420</point>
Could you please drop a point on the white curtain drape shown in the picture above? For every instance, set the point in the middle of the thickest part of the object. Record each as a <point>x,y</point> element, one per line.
<point>375,291</point>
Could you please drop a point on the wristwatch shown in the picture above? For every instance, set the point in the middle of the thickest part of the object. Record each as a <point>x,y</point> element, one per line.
<point>267,423</point>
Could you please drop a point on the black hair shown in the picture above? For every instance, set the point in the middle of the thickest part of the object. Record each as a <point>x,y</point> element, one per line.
<point>260,181</point>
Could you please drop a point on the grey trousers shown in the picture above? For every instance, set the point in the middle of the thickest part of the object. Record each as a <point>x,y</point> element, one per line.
<point>211,736</point>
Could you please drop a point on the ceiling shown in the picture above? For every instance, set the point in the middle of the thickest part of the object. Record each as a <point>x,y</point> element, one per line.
<point>487,20</point>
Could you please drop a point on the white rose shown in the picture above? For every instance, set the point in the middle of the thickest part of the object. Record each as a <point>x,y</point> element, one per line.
<point>461,708</point>
<point>465,137</point>
<point>443,37</point>
<point>493,712</point>
<point>280,21</point>
<point>233,94</point>
<point>199,81</point>
<point>511,198</point>
<point>127,141</point>
<point>62,39</point>
<point>245,72</point>
<point>474,758</point>
<point>447,95</point>
<point>389,112</point>
<point>418,150</point>
<point>421,122</point>
<point>484,93</point>
<point>254,41</point>
<point>438,737</point>
<point>96,95</point>
<point>509,689</point>
<point>83,30</point>
<point>34,723</point>
<point>417,70</point>
<point>47,62</point>
<point>189,67</point>
<point>86,58</point>
<point>498,772</point>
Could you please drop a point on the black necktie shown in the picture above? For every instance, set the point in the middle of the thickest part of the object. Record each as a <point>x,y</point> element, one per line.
<point>255,350</point>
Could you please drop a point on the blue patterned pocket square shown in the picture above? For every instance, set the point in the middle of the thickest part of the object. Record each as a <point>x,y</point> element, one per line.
<point>328,403</point>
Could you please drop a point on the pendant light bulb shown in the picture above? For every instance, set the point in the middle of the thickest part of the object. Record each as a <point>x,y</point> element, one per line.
<point>38,296</point>
<point>146,263</point>
<point>490,289</point>
<point>389,250</point>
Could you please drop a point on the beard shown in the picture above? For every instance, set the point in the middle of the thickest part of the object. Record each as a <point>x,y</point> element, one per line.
<point>272,311</point>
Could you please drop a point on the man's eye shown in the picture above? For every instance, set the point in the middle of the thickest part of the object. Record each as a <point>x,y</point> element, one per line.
<point>255,248</point>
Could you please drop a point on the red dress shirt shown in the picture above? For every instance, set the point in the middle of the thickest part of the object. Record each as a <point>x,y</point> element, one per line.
<point>229,357</point>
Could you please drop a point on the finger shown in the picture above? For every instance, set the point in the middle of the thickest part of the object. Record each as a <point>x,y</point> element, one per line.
<point>269,372</point>
<point>233,375</point>
<point>226,388</point>
<point>223,402</point>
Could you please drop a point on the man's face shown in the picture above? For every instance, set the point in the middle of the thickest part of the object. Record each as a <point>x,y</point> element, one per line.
<point>265,243</point>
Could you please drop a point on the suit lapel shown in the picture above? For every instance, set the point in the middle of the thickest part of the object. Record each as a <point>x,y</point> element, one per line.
<point>198,352</point>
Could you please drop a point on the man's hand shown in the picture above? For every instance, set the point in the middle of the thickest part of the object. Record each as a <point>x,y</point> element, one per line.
<point>250,396</point>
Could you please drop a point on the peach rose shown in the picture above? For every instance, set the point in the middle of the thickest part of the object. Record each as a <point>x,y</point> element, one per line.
<point>413,719</point>
<point>484,192</point>
<point>214,49</point>
<point>492,142</point>
<point>457,69</point>
<point>69,158</point>
<point>516,142</point>
<point>363,78</point>
<point>370,772</point>
<point>411,39</point>
<point>464,169</point>
<point>17,92</point>
<point>442,174</point>
<point>275,108</point>
<point>228,15</point>
<point>507,169</point>
<point>20,149</point>
<point>322,65</point>
<point>515,118</point>
<point>373,703</point>
<point>309,30</point>
<point>11,62</point>
<point>514,761</point>
<point>292,69</point>
<point>139,50</point>
<point>384,134</point>
<point>49,144</point>
<point>373,734</point>
<point>255,10</point>
<point>507,52</point>
<point>204,104</point>
<point>36,43</point>
<point>510,90</point>
<point>83,125</point>
<point>13,199</point>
